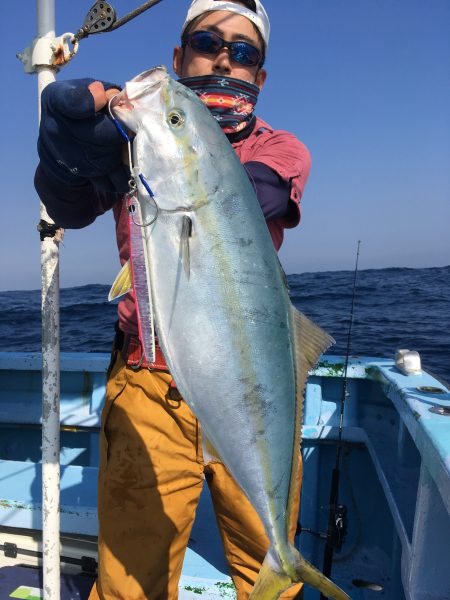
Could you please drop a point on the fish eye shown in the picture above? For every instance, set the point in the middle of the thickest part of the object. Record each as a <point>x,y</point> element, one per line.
<point>176,118</point>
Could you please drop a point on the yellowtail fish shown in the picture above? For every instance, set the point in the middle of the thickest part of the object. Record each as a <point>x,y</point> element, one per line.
<point>204,264</point>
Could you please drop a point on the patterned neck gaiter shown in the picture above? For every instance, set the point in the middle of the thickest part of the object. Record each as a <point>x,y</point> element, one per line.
<point>231,101</point>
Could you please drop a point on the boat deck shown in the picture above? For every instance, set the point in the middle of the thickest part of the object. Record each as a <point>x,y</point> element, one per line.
<point>395,477</point>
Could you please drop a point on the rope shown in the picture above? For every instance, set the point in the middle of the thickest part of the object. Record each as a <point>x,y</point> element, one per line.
<point>50,230</point>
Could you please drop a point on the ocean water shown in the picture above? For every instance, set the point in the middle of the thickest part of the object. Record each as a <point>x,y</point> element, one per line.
<point>394,308</point>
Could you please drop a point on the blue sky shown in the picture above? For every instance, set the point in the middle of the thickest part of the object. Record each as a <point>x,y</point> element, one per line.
<point>363,83</point>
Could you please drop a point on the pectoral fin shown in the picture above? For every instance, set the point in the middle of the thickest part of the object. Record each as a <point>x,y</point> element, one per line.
<point>122,284</point>
<point>186,232</point>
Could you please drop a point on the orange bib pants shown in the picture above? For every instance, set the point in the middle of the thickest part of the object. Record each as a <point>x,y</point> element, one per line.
<point>150,478</point>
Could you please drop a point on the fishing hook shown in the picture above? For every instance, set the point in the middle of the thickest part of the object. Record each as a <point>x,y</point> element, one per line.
<point>132,210</point>
<point>135,175</point>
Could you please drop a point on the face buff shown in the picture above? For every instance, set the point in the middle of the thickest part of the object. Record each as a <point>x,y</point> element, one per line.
<point>231,101</point>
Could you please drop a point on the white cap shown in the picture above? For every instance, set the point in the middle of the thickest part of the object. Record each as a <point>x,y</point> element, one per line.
<point>258,18</point>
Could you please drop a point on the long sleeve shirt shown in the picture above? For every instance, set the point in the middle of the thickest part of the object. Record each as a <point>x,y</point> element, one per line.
<point>276,162</point>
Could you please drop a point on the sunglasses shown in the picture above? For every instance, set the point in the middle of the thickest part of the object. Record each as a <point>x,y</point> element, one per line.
<point>207,42</point>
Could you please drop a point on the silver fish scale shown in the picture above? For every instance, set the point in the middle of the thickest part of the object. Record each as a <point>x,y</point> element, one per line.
<point>225,328</point>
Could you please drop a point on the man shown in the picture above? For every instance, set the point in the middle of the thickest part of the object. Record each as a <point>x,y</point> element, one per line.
<point>152,465</point>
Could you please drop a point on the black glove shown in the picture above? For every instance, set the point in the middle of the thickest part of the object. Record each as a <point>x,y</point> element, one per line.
<point>77,145</point>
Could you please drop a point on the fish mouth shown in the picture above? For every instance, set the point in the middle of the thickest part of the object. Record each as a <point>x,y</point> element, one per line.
<point>144,84</point>
<point>146,81</point>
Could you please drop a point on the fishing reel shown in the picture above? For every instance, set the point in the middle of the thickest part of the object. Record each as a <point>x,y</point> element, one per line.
<point>336,537</point>
<point>340,529</point>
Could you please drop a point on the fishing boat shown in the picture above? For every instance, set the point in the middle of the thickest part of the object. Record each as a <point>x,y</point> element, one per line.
<point>394,484</point>
<point>391,519</point>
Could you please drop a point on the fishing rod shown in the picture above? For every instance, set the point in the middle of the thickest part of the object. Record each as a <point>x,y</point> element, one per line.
<point>337,515</point>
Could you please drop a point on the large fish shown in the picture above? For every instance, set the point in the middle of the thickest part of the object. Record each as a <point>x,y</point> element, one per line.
<point>203,263</point>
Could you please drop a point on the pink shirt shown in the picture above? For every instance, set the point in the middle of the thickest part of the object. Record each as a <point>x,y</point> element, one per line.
<point>279,150</point>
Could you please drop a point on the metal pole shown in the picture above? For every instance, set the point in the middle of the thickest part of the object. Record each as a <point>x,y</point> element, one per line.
<point>50,361</point>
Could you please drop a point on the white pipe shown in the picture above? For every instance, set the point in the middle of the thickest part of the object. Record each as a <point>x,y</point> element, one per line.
<point>46,18</point>
<point>50,362</point>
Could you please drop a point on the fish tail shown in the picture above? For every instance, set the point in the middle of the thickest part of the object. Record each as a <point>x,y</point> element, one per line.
<point>273,580</point>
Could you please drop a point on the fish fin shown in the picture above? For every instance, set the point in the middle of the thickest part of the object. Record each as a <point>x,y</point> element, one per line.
<point>122,284</point>
<point>272,581</point>
<point>309,341</point>
<point>186,232</point>
<point>270,584</point>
